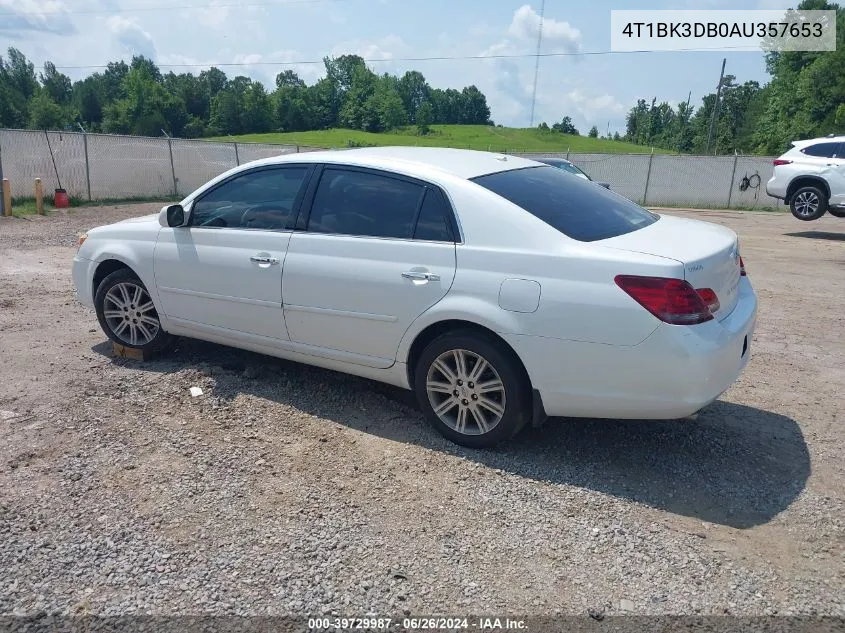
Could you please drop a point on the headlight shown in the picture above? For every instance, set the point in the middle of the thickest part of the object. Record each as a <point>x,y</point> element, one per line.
<point>81,240</point>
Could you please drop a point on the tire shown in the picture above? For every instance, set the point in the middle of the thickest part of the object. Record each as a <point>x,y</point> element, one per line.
<point>808,203</point>
<point>501,411</point>
<point>130,327</point>
<point>837,213</point>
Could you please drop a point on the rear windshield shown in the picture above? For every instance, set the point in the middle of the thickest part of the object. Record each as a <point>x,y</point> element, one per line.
<point>578,208</point>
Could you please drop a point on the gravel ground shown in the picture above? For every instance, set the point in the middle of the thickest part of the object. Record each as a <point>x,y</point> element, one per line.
<point>288,490</point>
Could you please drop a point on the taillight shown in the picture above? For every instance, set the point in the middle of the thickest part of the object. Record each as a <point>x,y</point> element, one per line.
<point>780,161</point>
<point>742,268</point>
<point>672,301</point>
<point>709,298</point>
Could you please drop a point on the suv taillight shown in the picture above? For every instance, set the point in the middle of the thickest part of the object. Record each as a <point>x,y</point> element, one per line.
<point>780,161</point>
<point>672,301</point>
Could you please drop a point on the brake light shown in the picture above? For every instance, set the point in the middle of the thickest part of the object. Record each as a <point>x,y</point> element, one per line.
<point>780,161</point>
<point>672,301</point>
<point>742,268</point>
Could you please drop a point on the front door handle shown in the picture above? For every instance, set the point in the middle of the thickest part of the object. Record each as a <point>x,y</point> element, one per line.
<point>417,275</point>
<point>264,259</point>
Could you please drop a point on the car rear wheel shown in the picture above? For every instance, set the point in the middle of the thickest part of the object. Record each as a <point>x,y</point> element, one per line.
<point>808,203</point>
<point>837,213</point>
<point>127,313</point>
<point>471,390</point>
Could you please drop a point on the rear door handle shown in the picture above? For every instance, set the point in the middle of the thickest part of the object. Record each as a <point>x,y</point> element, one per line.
<point>420,276</point>
<point>263,259</point>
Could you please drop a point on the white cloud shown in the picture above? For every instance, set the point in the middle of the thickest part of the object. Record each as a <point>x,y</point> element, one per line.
<point>561,35</point>
<point>133,39</point>
<point>386,48</point>
<point>45,16</point>
<point>594,108</point>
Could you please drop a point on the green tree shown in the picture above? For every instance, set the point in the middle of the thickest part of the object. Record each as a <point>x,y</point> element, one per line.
<point>357,112</point>
<point>256,110</point>
<point>565,126</point>
<point>414,91</point>
<point>57,85</point>
<point>89,98</point>
<point>425,117</point>
<point>474,108</point>
<point>594,132</point>
<point>44,113</point>
<point>289,79</point>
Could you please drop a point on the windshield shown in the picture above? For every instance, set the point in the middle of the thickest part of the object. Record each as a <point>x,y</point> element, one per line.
<point>576,207</point>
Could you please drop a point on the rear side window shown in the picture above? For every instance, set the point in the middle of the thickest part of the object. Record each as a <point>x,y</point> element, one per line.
<point>822,150</point>
<point>578,208</point>
<point>360,203</point>
<point>432,224</point>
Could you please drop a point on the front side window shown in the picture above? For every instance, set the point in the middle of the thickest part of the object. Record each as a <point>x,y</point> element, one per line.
<point>351,202</point>
<point>262,199</point>
<point>821,150</point>
<point>576,207</point>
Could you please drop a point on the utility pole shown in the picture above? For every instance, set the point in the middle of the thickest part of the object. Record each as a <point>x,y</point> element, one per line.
<point>715,108</point>
<point>537,59</point>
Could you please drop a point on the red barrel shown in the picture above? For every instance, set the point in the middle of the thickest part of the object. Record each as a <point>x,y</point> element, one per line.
<point>61,201</point>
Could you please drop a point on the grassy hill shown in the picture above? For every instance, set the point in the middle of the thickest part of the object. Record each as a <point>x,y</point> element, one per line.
<point>480,137</point>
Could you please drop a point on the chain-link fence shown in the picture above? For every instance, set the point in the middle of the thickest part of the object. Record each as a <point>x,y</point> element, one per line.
<point>102,166</point>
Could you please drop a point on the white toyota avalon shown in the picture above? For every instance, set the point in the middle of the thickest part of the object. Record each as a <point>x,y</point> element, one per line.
<point>499,289</point>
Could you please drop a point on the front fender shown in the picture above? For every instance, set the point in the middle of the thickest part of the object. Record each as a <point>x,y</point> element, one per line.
<point>136,255</point>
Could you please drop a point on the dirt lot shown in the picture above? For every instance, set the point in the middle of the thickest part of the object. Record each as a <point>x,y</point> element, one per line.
<point>286,489</point>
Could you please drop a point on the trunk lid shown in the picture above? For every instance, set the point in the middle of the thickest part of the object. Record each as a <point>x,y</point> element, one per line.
<point>709,253</point>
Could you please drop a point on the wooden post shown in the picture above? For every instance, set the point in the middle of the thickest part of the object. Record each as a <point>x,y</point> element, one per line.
<point>39,197</point>
<point>7,197</point>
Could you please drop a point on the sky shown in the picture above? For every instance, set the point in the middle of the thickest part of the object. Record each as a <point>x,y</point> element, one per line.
<point>265,37</point>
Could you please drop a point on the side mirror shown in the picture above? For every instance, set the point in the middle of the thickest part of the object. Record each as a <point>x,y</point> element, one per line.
<point>171,216</point>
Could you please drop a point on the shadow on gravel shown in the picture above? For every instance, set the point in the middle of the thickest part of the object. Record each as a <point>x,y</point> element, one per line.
<point>819,235</point>
<point>735,465</point>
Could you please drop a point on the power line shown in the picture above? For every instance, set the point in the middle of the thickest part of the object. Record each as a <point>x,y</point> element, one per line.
<point>277,3</point>
<point>426,59</point>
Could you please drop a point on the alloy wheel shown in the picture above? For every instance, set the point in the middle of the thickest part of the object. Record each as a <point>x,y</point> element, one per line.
<point>806,203</point>
<point>466,392</point>
<point>130,314</point>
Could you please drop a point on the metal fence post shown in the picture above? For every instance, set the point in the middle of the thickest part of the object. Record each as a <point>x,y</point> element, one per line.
<point>172,167</point>
<point>87,168</point>
<point>237,158</point>
<point>2,198</point>
<point>648,178</point>
<point>567,153</point>
<point>731,185</point>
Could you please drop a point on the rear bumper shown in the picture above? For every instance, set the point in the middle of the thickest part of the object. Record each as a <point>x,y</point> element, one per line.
<point>672,374</point>
<point>774,189</point>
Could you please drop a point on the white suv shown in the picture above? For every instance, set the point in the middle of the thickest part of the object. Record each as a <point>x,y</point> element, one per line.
<point>810,178</point>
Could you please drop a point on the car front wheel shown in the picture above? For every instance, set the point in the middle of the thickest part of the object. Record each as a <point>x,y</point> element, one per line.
<point>127,314</point>
<point>472,390</point>
<point>808,203</point>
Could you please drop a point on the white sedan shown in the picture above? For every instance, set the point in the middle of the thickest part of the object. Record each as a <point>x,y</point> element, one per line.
<point>499,289</point>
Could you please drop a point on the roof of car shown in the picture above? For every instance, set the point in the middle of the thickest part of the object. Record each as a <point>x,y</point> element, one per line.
<point>822,139</point>
<point>462,163</point>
